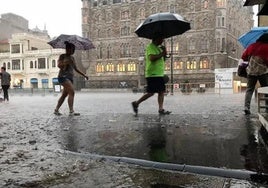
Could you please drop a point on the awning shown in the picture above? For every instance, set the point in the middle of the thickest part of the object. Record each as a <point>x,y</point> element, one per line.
<point>34,80</point>
<point>55,80</point>
<point>44,80</point>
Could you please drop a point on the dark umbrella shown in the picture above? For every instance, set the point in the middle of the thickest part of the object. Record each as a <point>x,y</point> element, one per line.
<point>81,43</point>
<point>264,10</point>
<point>254,2</point>
<point>162,24</point>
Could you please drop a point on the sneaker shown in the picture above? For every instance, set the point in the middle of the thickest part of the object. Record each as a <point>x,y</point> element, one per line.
<point>247,112</point>
<point>164,112</point>
<point>135,107</point>
<point>57,113</point>
<point>74,114</point>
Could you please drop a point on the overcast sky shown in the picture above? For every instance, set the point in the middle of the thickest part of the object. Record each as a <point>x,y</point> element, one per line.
<point>59,16</point>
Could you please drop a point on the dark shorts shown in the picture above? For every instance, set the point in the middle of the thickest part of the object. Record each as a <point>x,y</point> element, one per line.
<point>61,80</point>
<point>155,85</point>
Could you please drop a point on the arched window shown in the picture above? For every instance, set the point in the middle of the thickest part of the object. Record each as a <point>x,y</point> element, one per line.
<point>110,67</point>
<point>131,67</point>
<point>178,65</point>
<point>4,65</point>
<point>204,64</point>
<point>121,67</point>
<point>99,68</point>
<point>191,65</point>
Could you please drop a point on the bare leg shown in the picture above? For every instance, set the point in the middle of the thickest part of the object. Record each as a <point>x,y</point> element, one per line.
<point>161,100</point>
<point>71,98</point>
<point>67,90</point>
<point>144,97</point>
<point>61,99</point>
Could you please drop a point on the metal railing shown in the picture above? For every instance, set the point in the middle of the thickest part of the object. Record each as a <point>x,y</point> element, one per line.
<point>193,88</point>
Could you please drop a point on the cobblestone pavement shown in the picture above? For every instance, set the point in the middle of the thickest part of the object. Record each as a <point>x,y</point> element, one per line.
<point>34,143</point>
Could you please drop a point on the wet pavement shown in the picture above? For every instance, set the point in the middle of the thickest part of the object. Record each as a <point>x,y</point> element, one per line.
<point>38,149</point>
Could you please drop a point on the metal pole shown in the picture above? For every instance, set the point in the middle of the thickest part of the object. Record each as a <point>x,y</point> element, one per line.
<point>171,66</point>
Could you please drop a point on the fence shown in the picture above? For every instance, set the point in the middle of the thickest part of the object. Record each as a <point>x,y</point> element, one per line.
<point>194,88</point>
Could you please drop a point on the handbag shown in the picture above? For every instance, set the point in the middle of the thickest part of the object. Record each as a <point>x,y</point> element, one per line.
<point>256,66</point>
<point>242,68</point>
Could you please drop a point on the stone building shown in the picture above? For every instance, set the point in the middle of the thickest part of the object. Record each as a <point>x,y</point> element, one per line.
<point>118,60</point>
<point>31,62</point>
<point>26,55</point>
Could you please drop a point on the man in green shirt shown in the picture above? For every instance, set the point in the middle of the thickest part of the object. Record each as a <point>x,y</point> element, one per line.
<point>154,73</point>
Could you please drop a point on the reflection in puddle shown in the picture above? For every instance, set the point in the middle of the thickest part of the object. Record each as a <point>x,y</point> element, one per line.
<point>180,139</point>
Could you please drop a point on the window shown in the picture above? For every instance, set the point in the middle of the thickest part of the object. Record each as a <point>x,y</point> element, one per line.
<point>121,67</point>
<point>221,3</point>
<point>191,65</point>
<point>15,64</point>
<point>15,48</point>
<point>142,13</point>
<point>205,4</point>
<point>116,1</point>
<point>8,65</point>
<point>153,10</point>
<point>131,67</point>
<point>31,64</point>
<point>178,65</point>
<point>99,68</point>
<point>125,31</point>
<point>125,50</point>
<point>125,15</point>
<point>204,45</point>
<point>53,63</point>
<point>110,67</point>
<point>99,51</point>
<point>4,65</point>
<point>141,49</point>
<point>109,52</point>
<point>172,9</point>
<point>192,45</point>
<point>41,63</point>
<point>204,64</point>
<point>95,3</point>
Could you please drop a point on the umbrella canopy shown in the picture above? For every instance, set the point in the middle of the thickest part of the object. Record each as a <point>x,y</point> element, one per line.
<point>80,43</point>
<point>254,2</point>
<point>264,10</point>
<point>162,25</point>
<point>251,36</point>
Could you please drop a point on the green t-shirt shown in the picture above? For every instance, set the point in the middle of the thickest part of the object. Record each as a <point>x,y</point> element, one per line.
<point>156,68</point>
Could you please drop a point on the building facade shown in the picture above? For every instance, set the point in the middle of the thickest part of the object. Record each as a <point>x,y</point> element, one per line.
<point>31,62</point>
<point>118,60</point>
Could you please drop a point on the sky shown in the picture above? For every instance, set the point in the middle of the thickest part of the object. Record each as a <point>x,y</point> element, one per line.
<point>59,16</point>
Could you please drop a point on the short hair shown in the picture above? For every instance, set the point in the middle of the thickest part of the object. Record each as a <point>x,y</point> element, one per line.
<point>4,68</point>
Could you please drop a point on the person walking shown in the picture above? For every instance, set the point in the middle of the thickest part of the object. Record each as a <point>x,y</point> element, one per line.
<point>154,73</point>
<point>67,65</point>
<point>5,82</point>
<point>257,70</point>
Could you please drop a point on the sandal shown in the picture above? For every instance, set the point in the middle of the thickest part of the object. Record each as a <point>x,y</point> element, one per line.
<point>74,113</point>
<point>135,107</point>
<point>164,112</point>
<point>57,113</point>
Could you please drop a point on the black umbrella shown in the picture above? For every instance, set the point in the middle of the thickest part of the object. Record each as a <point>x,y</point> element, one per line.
<point>162,25</point>
<point>81,43</point>
<point>254,2</point>
<point>264,10</point>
